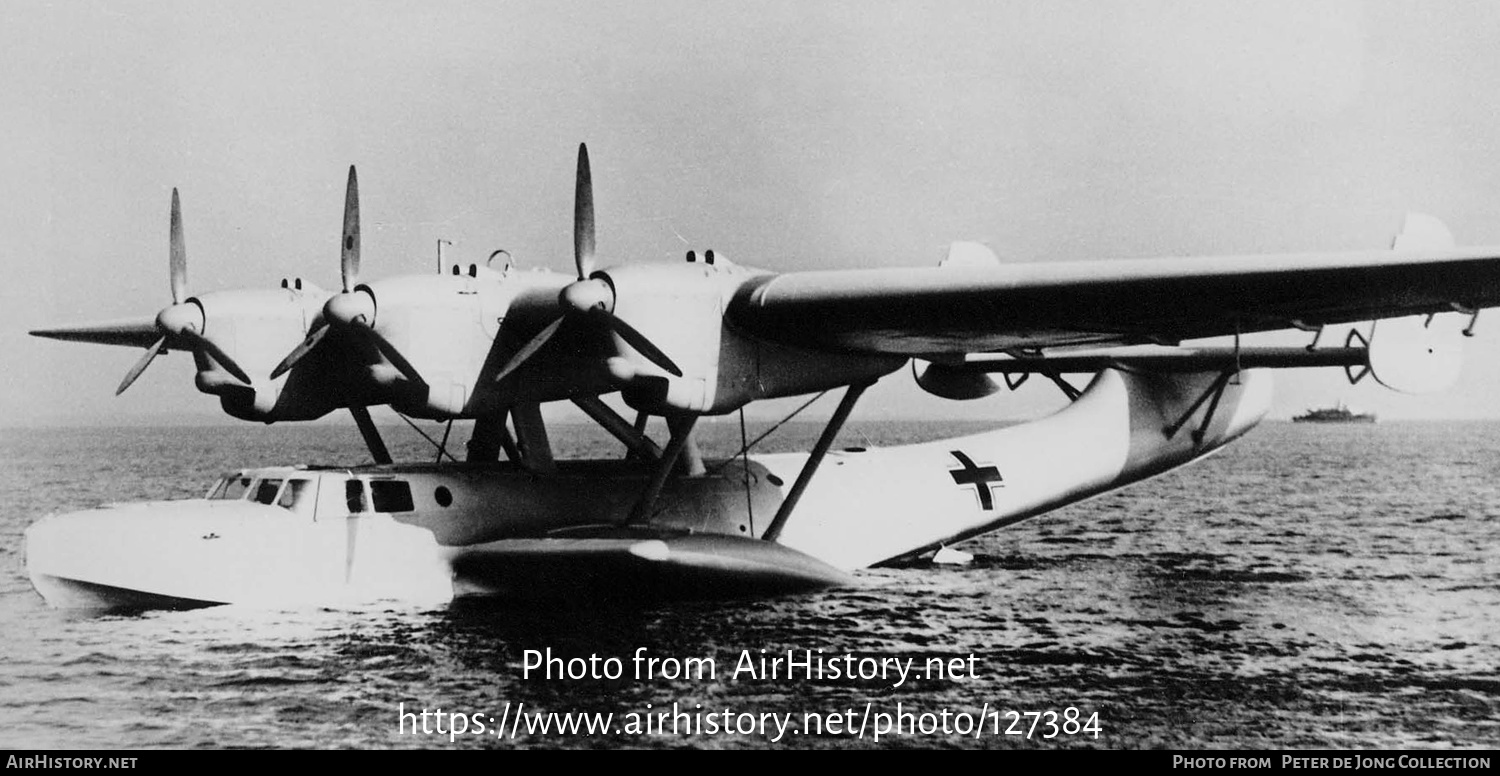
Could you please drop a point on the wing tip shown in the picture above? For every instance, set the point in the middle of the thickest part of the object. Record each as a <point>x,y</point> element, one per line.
<point>132,333</point>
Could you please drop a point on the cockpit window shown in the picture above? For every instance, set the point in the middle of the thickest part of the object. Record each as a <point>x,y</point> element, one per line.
<point>354,495</point>
<point>391,495</point>
<point>230,488</point>
<point>265,493</point>
<point>297,496</point>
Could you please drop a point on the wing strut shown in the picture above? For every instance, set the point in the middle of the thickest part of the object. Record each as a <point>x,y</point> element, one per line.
<point>1316,329</point>
<point>681,427</point>
<point>531,430</point>
<point>371,434</point>
<point>830,431</point>
<point>635,439</point>
<point>489,437</point>
<point>1212,395</point>
<point>1063,385</point>
<point>443,446</point>
<point>1364,344</point>
<point>1472,312</point>
<point>642,418</point>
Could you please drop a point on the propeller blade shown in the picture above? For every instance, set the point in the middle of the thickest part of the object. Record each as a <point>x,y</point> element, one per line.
<point>313,338</point>
<point>529,349</point>
<point>394,356</point>
<point>349,250</point>
<point>583,216</point>
<point>635,339</point>
<point>140,366</point>
<point>177,257</point>
<point>218,354</point>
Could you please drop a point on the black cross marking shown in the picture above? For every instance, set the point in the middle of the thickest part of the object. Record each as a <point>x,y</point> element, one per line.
<point>982,478</point>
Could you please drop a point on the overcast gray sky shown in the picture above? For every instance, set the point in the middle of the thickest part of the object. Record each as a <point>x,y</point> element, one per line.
<point>787,135</point>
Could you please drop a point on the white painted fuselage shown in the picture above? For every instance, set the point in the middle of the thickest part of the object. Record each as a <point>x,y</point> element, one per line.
<point>428,534</point>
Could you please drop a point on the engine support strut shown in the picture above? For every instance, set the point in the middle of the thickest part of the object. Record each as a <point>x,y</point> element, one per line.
<point>682,431</point>
<point>635,440</point>
<point>371,434</point>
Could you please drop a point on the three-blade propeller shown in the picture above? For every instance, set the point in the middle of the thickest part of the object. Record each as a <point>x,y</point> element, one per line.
<point>183,321</point>
<point>591,297</point>
<point>355,308</point>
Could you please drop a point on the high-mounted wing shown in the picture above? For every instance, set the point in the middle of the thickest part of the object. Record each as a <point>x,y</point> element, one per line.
<point>965,309</point>
<point>131,332</point>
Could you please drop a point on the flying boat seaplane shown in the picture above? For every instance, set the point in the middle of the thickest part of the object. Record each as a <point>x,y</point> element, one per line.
<point>706,337</point>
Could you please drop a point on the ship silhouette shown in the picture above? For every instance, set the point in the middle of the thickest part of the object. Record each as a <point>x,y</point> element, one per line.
<point>1336,414</point>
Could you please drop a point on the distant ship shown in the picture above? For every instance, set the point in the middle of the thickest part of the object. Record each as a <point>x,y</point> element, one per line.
<point>1339,414</point>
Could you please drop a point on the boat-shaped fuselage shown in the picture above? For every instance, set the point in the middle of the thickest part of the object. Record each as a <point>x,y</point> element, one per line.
<point>418,533</point>
<point>432,533</point>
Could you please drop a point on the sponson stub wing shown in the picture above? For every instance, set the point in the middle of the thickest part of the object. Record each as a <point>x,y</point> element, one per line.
<point>961,309</point>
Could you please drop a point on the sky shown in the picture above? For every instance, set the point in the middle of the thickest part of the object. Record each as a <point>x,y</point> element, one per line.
<point>785,135</point>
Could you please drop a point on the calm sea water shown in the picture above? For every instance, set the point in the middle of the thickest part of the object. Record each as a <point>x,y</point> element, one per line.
<point>1333,586</point>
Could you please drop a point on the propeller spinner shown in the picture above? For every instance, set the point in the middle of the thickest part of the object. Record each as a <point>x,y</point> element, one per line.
<point>182,321</point>
<point>355,308</point>
<point>592,296</point>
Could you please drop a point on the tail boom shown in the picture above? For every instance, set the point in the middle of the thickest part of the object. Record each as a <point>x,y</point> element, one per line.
<point>871,507</point>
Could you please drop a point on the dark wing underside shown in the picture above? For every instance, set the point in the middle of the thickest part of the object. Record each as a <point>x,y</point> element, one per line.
<point>949,310</point>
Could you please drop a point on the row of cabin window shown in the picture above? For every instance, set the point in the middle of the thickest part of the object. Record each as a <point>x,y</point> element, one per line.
<point>297,495</point>
<point>387,495</point>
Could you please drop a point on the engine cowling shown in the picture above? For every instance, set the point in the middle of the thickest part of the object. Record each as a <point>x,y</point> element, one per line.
<point>681,310</point>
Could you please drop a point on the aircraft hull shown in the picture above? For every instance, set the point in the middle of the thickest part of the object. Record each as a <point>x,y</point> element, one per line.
<point>194,553</point>
<point>868,507</point>
<point>65,593</point>
<point>502,531</point>
<point>185,554</point>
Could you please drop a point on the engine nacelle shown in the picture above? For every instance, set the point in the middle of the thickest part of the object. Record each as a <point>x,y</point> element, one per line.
<point>680,309</point>
<point>257,327</point>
